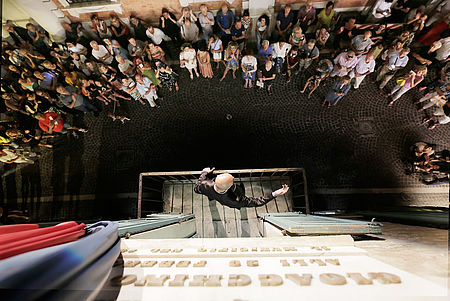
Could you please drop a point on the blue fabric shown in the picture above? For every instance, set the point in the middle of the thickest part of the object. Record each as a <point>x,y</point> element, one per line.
<point>263,53</point>
<point>237,32</point>
<point>30,275</point>
<point>87,284</point>
<point>285,21</point>
<point>224,20</point>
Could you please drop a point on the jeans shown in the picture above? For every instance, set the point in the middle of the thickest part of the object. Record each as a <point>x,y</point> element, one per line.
<point>385,76</point>
<point>86,107</point>
<point>398,91</point>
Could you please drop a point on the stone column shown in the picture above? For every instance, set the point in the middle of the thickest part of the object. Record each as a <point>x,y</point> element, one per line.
<point>41,12</point>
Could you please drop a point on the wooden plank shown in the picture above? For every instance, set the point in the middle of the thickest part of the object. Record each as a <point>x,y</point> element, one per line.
<point>217,214</point>
<point>188,192</point>
<point>284,201</point>
<point>198,211</point>
<point>207,226</point>
<point>271,206</point>
<point>247,225</point>
<point>167,197</point>
<point>258,192</point>
<point>280,201</point>
<point>212,219</point>
<point>177,198</point>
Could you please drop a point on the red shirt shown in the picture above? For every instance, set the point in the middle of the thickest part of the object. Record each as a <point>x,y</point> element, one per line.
<point>44,124</point>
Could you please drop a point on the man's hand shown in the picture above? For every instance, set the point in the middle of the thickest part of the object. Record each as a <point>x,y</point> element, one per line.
<point>280,191</point>
<point>208,170</point>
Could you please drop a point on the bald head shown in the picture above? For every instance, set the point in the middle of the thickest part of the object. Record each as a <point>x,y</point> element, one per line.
<point>223,182</point>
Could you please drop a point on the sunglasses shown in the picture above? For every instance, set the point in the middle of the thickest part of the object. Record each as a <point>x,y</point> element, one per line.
<point>350,56</point>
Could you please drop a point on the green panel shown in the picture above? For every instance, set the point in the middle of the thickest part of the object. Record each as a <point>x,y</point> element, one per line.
<point>303,224</point>
<point>152,221</point>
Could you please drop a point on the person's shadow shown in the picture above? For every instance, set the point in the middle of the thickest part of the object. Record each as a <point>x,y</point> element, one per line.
<point>31,189</point>
<point>219,229</point>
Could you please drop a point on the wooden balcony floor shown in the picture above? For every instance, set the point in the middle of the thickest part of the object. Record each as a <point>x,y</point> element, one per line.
<point>216,220</point>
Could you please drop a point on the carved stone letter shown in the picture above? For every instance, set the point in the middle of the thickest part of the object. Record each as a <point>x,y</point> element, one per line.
<point>270,280</point>
<point>303,280</point>
<point>153,280</point>
<point>332,279</point>
<point>359,279</point>
<point>239,280</point>
<point>385,278</point>
<point>178,280</point>
<point>123,280</point>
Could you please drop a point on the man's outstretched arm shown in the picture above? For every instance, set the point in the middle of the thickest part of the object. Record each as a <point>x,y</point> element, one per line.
<point>199,185</point>
<point>260,201</point>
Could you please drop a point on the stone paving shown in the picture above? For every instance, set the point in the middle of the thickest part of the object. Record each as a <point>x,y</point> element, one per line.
<point>360,143</point>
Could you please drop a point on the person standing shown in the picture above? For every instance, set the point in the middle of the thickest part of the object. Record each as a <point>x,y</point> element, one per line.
<point>225,20</point>
<point>73,100</point>
<point>223,189</point>
<point>232,55</point>
<point>189,31</point>
<point>364,66</point>
<point>99,27</point>
<point>139,28</point>
<point>215,46</point>
<point>326,16</point>
<point>344,63</point>
<point>100,53</point>
<point>147,90</point>
<point>204,61</point>
<point>167,77</point>
<point>120,31</point>
<point>309,53</point>
<point>405,84</point>
<point>381,10</point>
<point>285,20</point>
<point>168,24</point>
<point>238,34</point>
<point>267,76</point>
<point>292,60</point>
<point>280,50</point>
<point>188,59</point>
<point>306,15</point>
<point>206,19</point>
<point>362,43</point>
<point>262,30</point>
<point>249,65</point>
<point>339,89</point>
<point>395,61</point>
<point>155,34</point>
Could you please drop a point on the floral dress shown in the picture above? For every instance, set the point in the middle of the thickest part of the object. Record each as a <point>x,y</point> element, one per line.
<point>233,60</point>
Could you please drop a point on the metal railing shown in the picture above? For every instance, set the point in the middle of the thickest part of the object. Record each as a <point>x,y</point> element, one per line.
<point>151,184</point>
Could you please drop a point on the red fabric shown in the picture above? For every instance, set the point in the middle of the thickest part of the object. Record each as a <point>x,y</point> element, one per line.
<point>16,228</point>
<point>44,124</point>
<point>18,243</point>
<point>434,33</point>
<point>7,238</point>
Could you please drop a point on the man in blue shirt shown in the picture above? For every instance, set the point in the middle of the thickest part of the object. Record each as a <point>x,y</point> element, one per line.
<point>225,20</point>
<point>238,34</point>
<point>285,20</point>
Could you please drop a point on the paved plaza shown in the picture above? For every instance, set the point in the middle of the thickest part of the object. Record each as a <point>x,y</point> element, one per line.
<point>360,144</point>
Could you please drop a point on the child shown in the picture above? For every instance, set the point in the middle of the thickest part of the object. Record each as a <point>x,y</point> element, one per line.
<point>324,69</point>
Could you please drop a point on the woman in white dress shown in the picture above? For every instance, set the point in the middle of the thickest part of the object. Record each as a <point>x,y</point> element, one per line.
<point>188,59</point>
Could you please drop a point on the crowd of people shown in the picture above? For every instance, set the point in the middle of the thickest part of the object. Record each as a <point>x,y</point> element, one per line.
<point>431,166</point>
<point>44,82</point>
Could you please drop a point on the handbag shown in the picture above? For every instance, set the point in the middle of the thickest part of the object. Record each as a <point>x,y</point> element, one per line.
<point>401,81</point>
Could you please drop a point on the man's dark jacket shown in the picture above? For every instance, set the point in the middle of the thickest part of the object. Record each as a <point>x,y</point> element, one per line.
<point>233,198</point>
